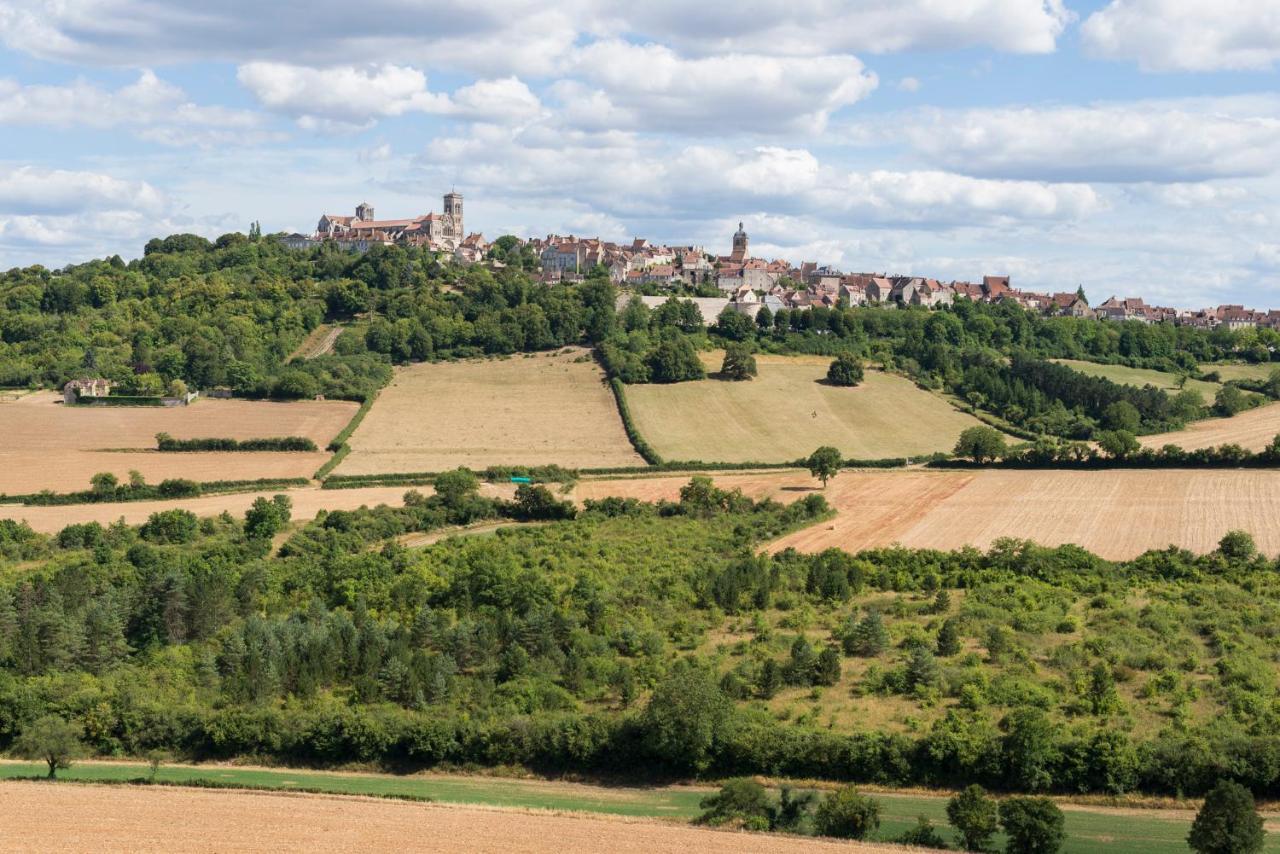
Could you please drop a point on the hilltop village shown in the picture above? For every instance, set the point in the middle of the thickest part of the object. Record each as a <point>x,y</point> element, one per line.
<point>738,280</point>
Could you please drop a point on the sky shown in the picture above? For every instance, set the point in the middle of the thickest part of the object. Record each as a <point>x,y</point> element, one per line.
<point>1129,146</point>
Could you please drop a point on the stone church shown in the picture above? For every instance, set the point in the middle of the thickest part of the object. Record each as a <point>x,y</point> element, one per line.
<point>441,232</point>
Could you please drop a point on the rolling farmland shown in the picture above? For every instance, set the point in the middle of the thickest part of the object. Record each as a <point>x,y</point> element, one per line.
<point>1252,429</point>
<point>1116,514</point>
<point>785,412</point>
<point>525,410</point>
<point>49,445</point>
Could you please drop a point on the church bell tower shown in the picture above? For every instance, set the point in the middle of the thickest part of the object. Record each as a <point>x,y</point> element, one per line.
<point>453,210</point>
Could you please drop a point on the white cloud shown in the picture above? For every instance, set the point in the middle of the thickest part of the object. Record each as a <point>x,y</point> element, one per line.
<point>1187,35</point>
<point>908,84</point>
<point>150,107</point>
<point>806,27</point>
<point>341,97</point>
<point>32,190</point>
<point>628,176</point>
<point>1130,143</point>
<point>651,87</point>
<point>345,98</point>
<point>501,37</point>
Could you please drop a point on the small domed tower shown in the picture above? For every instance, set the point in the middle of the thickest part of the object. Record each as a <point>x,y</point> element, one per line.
<point>739,245</point>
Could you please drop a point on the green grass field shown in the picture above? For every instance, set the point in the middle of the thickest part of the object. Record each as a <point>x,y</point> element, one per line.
<point>1257,372</point>
<point>1141,376</point>
<point>785,412</point>
<point>1087,830</point>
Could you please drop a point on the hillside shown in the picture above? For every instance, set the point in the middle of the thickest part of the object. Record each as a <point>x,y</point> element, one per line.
<point>788,410</point>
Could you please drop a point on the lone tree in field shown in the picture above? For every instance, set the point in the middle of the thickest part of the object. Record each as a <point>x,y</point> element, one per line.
<point>738,364</point>
<point>847,815</point>
<point>824,463</point>
<point>1118,444</point>
<point>976,817</point>
<point>846,370</point>
<point>1228,823</point>
<point>1033,825</point>
<point>52,739</point>
<point>980,444</point>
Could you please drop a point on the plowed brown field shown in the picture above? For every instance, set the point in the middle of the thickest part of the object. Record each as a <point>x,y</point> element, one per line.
<point>525,410</point>
<point>40,817</point>
<point>47,445</point>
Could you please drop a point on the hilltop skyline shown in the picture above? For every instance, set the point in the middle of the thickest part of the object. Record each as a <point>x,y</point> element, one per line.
<point>1129,145</point>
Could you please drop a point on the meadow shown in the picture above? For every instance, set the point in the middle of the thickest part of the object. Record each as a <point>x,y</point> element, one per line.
<point>49,445</point>
<point>1252,429</point>
<point>787,411</point>
<point>1125,375</point>
<point>523,410</point>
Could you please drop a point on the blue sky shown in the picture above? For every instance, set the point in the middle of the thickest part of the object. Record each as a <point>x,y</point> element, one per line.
<point>1131,146</point>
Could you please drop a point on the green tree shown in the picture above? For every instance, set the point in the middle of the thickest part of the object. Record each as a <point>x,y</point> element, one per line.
<point>824,463</point>
<point>1227,823</point>
<point>1229,400</point>
<point>1237,546</point>
<point>267,516</point>
<point>741,801</point>
<point>739,363</point>
<point>1118,444</point>
<point>827,670</point>
<point>845,814</point>
<point>457,486</point>
<point>949,638</point>
<point>104,483</point>
<point>1122,415</point>
<point>1032,825</point>
<point>980,444</point>
<point>1029,749</point>
<point>685,718</point>
<point>976,817</point>
<point>52,739</point>
<point>675,360</point>
<point>868,637</point>
<point>846,370</point>
<point>923,673</point>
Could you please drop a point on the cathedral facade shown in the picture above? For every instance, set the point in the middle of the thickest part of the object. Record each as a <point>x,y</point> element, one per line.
<point>440,232</point>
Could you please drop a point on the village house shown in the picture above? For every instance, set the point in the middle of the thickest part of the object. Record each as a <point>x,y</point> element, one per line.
<point>1071,304</point>
<point>76,389</point>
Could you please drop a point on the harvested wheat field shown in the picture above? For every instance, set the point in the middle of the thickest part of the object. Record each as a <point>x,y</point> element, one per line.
<point>1253,429</point>
<point>524,410</point>
<point>1115,514</point>
<point>786,412</point>
<point>306,504</point>
<point>48,445</point>
<point>42,817</point>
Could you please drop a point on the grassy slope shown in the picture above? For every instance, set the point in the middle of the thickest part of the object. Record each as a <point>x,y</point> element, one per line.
<point>1141,376</point>
<point>1233,371</point>
<point>1088,831</point>
<point>784,413</point>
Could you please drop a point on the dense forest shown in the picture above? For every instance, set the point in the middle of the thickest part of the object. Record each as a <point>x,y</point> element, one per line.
<point>650,638</point>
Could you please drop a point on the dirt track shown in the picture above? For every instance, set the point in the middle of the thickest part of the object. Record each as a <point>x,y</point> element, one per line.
<point>40,817</point>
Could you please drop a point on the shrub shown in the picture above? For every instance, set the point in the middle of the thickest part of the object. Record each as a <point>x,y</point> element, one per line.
<point>1032,825</point>
<point>739,363</point>
<point>1227,823</point>
<point>846,370</point>
<point>847,815</point>
<point>976,817</point>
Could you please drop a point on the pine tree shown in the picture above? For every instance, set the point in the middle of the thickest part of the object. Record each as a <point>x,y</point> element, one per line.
<point>949,638</point>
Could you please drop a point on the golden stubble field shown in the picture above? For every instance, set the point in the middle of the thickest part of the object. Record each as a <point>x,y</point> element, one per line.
<point>1253,430</point>
<point>45,818</point>
<point>785,412</point>
<point>47,445</point>
<point>523,410</point>
<point>1115,514</point>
